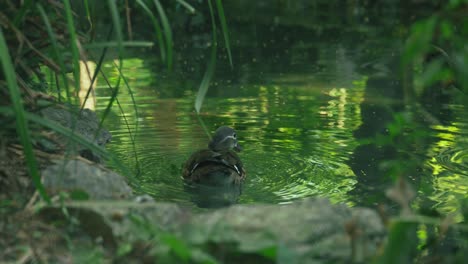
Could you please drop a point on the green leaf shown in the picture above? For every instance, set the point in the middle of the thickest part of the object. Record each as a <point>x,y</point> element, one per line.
<point>124,249</point>
<point>419,41</point>
<point>178,246</point>
<point>401,245</point>
<point>269,252</point>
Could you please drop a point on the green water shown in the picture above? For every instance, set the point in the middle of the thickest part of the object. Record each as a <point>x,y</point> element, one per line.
<point>301,101</point>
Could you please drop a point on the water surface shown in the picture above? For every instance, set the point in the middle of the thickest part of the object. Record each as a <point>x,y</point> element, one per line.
<point>301,107</point>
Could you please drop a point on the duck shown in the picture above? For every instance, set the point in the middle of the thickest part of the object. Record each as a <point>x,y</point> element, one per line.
<point>218,165</point>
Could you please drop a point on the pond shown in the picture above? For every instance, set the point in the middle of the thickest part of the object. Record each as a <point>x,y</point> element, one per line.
<point>303,100</point>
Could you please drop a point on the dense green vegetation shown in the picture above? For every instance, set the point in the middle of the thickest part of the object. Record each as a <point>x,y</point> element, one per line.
<point>42,41</point>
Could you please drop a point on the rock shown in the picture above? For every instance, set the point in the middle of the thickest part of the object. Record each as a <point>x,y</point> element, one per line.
<point>312,230</point>
<point>84,123</point>
<point>77,175</point>
<point>308,231</point>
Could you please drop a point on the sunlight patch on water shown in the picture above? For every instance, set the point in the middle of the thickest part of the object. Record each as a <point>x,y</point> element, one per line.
<point>449,164</point>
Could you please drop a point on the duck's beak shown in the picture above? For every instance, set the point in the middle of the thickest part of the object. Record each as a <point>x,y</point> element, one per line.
<point>237,147</point>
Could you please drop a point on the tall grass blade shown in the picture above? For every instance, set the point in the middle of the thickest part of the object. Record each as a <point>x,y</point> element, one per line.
<point>157,28</point>
<point>22,12</point>
<point>205,83</point>
<point>115,98</point>
<point>96,72</point>
<point>187,6</point>
<point>167,32</point>
<point>205,129</point>
<point>132,135</point>
<point>224,28</point>
<point>21,124</point>
<point>55,46</point>
<point>88,16</point>
<point>118,28</point>
<point>74,48</point>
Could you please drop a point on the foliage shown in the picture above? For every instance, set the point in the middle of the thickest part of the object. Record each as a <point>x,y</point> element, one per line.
<point>437,48</point>
<point>419,238</point>
<point>436,53</point>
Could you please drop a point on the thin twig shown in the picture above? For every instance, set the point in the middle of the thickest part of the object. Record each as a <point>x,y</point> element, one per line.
<point>32,201</point>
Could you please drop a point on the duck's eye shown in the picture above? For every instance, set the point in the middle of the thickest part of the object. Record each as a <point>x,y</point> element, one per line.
<point>234,135</point>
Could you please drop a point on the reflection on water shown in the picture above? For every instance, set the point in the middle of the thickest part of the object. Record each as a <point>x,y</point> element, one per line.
<point>296,141</point>
<point>449,167</point>
<point>298,121</point>
<point>205,196</point>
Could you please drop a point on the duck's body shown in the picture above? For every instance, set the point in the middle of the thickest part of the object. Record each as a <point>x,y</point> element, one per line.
<point>218,165</point>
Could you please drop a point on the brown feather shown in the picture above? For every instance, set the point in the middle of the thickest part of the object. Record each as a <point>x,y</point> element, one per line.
<point>205,164</point>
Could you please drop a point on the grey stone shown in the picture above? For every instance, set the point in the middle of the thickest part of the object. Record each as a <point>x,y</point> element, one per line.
<point>77,175</point>
<point>308,231</point>
<point>84,123</point>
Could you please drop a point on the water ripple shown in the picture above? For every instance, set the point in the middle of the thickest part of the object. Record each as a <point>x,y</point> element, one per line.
<point>454,160</point>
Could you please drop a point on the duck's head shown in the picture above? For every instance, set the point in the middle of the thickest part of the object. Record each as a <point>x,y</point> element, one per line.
<point>224,139</point>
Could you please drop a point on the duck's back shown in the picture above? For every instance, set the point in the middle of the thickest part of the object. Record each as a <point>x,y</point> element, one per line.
<point>213,168</point>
